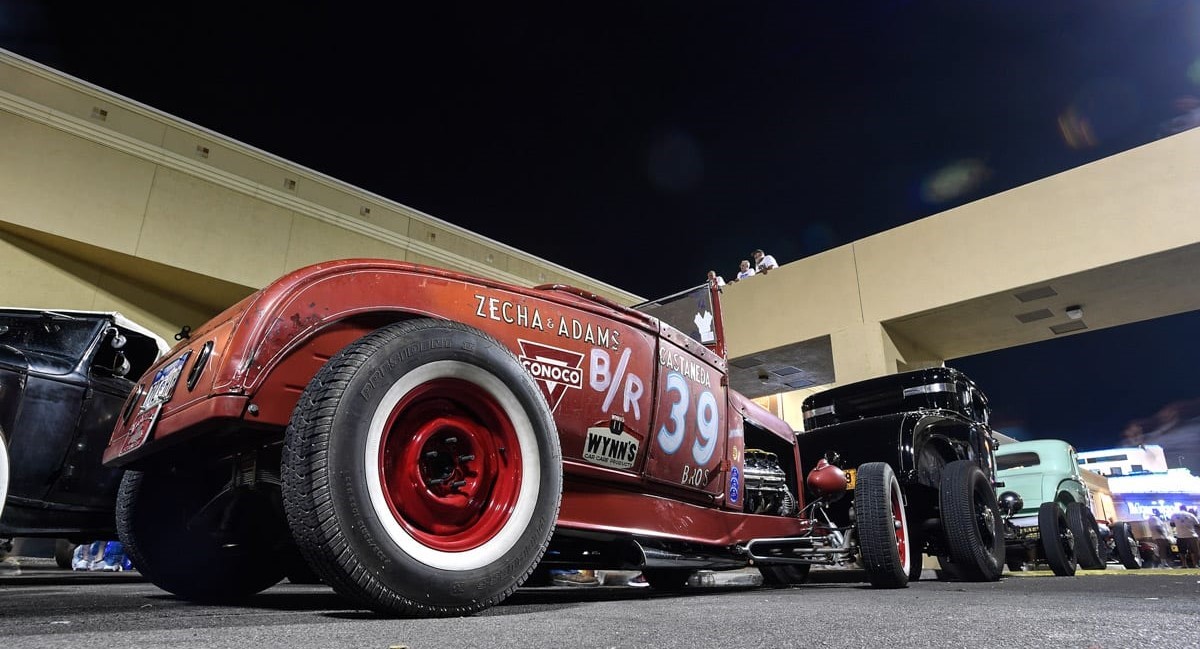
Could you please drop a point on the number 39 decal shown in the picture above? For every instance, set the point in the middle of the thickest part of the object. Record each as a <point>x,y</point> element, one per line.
<point>707,421</point>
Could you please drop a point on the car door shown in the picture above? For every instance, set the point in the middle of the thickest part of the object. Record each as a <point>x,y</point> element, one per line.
<point>688,439</point>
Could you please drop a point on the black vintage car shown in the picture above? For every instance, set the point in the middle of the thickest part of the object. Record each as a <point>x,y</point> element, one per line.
<point>931,427</point>
<point>64,376</point>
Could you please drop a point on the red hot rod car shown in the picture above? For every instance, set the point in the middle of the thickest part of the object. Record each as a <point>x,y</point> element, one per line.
<point>424,440</point>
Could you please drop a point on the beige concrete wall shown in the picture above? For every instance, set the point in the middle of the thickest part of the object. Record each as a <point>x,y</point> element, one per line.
<point>84,164</point>
<point>1137,203</point>
<point>1078,229</point>
<point>810,298</point>
<point>798,301</point>
<point>71,187</point>
<point>40,277</point>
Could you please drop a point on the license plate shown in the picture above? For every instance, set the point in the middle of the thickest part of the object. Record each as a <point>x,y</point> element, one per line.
<point>140,429</point>
<point>851,478</point>
<point>164,382</point>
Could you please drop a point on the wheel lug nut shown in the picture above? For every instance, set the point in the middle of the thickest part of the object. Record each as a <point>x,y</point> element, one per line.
<point>466,458</point>
<point>451,440</point>
<point>458,483</point>
<point>431,454</point>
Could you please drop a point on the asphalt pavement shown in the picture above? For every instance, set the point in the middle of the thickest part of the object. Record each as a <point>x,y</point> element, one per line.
<point>46,607</point>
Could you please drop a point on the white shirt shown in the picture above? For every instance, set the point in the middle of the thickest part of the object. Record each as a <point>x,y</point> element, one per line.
<point>1185,525</point>
<point>766,263</point>
<point>1158,529</point>
<point>743,274</point>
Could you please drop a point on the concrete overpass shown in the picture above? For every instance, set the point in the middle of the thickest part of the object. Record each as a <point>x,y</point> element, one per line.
<point>1119,238</point>
<point>109,204</point>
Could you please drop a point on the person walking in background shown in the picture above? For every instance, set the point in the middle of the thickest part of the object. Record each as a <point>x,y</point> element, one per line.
<point>763,262</point>
<point>744,270</point>
<point>1158,533</point>
<point>1187,537</point>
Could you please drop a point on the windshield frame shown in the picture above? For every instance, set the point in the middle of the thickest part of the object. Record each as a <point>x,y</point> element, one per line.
<point>49,333</point>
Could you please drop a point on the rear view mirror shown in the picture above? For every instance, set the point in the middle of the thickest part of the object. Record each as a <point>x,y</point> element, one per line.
<point>118,339</point>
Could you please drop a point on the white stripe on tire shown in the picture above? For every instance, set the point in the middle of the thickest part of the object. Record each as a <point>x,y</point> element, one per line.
<point>531,474</point>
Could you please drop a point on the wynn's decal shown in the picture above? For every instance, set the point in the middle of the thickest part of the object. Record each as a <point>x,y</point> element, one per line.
<point>554,370</point>
<point>606,449</point>
<point>520,315</point>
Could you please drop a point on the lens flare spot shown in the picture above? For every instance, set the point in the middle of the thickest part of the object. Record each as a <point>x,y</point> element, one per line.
<point>1076,129</point>
<point>954,180</point>
<point>1193,72</point>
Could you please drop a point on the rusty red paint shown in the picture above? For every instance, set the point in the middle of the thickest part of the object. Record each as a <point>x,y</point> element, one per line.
<point>595,362</point>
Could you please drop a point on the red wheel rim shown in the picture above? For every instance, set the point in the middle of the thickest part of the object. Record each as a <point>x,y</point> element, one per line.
<point>898,524</point>
<point>450,465</point>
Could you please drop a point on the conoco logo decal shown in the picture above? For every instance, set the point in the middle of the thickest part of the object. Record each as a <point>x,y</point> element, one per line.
<point>553,369</point>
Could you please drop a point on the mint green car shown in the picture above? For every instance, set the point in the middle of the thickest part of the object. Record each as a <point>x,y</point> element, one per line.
<point>1048,508</point>
<point>1040,471</point>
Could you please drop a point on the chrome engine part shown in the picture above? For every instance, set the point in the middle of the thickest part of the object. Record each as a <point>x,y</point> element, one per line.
<point>766,485</point>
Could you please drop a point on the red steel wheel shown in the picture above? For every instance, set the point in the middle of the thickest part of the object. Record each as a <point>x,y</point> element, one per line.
<point>422,471</point>
<point>445,465</point>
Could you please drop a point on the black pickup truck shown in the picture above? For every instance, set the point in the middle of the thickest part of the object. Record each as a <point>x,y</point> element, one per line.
<point>931,427</point>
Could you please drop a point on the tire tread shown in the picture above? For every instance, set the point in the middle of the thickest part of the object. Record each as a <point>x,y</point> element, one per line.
<point>971,558</point>
<point>305,475</point>
<point>876,531</point>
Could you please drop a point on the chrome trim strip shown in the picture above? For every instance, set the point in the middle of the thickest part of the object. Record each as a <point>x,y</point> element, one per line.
<point>929,388</point>
<point>817,412</point>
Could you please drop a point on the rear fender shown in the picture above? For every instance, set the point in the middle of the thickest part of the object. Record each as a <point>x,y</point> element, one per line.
<point>1070,491</point>
<point>276,394</point>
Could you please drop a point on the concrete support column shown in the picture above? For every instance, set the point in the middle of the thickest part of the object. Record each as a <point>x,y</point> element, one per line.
<point>860,352</point>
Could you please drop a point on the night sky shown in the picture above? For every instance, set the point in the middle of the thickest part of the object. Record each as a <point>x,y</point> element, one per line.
<point>681,135</point>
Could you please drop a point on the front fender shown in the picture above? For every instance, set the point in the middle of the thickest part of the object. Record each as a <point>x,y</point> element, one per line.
<point>934,440</point>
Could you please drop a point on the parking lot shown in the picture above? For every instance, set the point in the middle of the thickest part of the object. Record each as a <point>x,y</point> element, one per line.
<point>46,607</point>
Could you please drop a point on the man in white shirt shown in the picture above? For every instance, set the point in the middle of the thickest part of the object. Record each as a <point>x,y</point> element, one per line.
<point>744,270</point>
<point>1187,537</point>
<point>715,280</point>
<point>763,262</point>
<point>1158,534</point>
